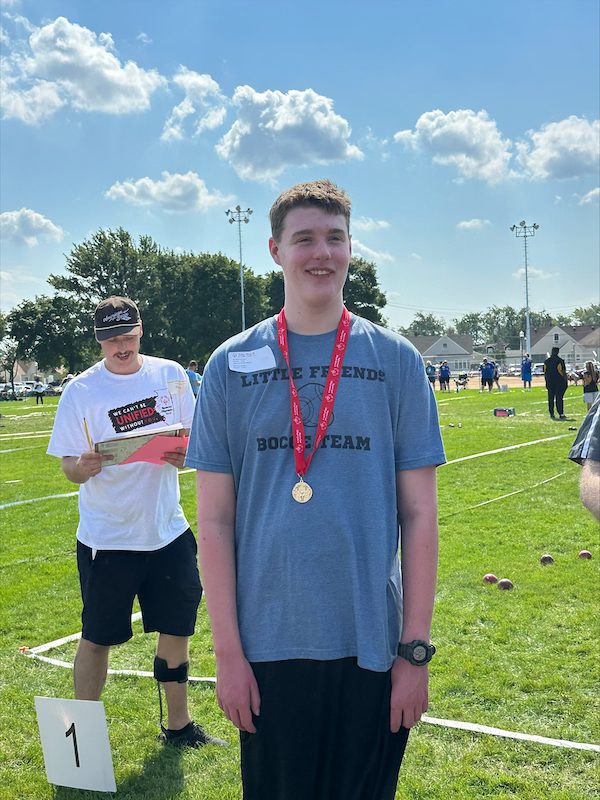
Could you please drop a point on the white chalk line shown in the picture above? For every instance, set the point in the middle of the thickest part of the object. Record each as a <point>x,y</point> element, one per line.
<point>35,652</point>
<point>504,449</point>
<point>527,737</point>
<point>60,496</point>
<point>29,435</point>
<point>38,499</point>
<point>503,496</point>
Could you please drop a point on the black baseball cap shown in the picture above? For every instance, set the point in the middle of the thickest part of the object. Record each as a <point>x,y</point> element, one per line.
<point>116,316</point>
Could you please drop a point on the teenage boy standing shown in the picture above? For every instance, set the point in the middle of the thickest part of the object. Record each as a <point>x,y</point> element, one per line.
<point>133,538</point>
<point>316,432</point>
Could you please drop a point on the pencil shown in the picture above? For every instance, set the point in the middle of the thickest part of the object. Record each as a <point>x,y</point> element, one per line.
<point>87,433</point>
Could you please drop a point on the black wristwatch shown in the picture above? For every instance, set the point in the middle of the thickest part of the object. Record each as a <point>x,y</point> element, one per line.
<point>417,652</point>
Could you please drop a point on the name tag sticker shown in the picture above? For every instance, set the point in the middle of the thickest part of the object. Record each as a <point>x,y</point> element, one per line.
<point>251,360</point>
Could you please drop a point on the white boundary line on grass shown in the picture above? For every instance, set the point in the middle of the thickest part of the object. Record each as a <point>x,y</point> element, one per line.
<point>504,449</point>
<point>35,652</point>
<point>527,737</point>
<point>502,496</point>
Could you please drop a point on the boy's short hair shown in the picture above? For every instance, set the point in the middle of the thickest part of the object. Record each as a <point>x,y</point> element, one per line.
<point>322,193</point>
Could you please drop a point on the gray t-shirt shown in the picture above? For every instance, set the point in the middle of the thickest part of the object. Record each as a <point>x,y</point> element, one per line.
<point>319,580</point>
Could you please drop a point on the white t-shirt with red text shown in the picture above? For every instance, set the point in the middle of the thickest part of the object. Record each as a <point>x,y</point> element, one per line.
<point>127,506</point>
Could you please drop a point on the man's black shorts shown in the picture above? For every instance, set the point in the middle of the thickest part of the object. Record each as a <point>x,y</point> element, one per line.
<point>323,733</point>
<point>166,582</point>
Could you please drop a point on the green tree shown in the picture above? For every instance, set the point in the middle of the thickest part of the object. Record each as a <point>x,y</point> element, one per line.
<point>206,301</point>
<point>563,320</point>
<point>9,353</point>
<point>53,331</point>
<point>588,315</point>
<point>362,294</point>
<point>425,325</point>
<point>471,324</point>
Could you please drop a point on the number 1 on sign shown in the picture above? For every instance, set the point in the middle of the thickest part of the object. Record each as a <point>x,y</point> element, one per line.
<point>72,732</point>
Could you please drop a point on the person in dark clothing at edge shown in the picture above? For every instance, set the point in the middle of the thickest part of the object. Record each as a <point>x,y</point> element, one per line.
<point>555,375</point>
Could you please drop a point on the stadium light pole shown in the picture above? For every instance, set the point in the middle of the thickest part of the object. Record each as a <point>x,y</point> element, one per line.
<point>239,216</point>
<point>523,230</point>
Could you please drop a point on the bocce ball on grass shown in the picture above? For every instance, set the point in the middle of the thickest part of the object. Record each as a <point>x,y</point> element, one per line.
<point>490,578</point>
<point>505,583</point>
<point>546,559</point>
<point>585,554</point>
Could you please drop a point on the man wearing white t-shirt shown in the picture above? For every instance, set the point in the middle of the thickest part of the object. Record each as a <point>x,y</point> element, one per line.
<point>133,538</point>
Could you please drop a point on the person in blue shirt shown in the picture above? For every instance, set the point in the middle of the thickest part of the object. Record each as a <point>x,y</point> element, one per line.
<point>194,376</point>
<point>321,642</point>
<point>430,372</point>
<point>445,377</point>
<point>486,368</point>
<point>526,372</point>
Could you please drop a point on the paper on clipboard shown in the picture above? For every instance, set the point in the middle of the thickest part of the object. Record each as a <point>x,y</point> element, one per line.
<point>150,447</point>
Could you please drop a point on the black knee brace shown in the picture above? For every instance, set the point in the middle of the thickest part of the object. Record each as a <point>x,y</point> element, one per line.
<point>164,674</point>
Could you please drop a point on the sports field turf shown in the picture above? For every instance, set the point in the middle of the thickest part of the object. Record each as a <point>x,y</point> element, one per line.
<point>525,660</point>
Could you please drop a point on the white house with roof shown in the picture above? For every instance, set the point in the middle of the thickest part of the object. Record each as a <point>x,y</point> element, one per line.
<point>456,349</point>
<point>577,343</point>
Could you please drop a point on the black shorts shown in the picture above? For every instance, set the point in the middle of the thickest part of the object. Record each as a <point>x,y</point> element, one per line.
<point>166,582</point>
<point>323,732</point>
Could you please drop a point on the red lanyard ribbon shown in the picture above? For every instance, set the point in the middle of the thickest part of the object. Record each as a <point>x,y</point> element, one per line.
<point>331,386</point>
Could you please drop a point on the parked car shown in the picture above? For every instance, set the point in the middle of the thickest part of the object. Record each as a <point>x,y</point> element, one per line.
<point>538,369</point>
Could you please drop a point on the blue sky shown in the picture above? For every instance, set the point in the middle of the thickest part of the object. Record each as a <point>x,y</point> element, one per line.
<point>446,123</point>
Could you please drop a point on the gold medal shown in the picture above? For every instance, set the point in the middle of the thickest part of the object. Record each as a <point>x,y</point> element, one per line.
<point>301,492</point>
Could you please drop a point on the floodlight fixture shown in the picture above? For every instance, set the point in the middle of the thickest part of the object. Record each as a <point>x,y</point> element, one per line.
<point>523,230</point>
<point>239,216</point>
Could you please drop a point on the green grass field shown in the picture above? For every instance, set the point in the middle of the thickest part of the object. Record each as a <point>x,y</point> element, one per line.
<point>525,660</point>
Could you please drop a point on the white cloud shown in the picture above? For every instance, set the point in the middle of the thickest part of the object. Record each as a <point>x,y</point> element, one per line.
<point>67,64</point>
<point>174,193</point>
<point>565,149</point>
<point>274,130</point>
<point>591,197</point>
<point>203,99</point>
<point>360,249</point>
<point>143,38</point>
<point>532,272</point>
<point>25,226</point>
<point>416,256</point>
<point>472,224</point>
<point>465,139</point>
<point>368,224</point>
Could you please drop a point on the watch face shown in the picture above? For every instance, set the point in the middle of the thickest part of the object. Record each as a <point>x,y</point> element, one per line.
<point>419,653</point>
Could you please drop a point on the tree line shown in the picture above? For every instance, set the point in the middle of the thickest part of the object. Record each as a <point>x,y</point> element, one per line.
<point>190,303</point>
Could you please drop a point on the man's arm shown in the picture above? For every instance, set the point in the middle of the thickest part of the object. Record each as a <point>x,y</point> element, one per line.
<point>79,469</point>
<point>237,690</point>
<point>417,507</point>
<point>589,486</point>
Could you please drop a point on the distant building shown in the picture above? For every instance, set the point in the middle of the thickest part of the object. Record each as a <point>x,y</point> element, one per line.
<point>577,343</point>
<point>456,349</point>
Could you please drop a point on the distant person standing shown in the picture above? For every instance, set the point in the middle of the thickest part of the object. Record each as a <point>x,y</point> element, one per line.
<point>590,383</point>
<point>496,375</point>
<point>555,374</point>
<point>486,368</point>
<point>444,377</point>
<point>526,372</point>
<point>38,390</point>
<point>194,376</point>
<point>430,372</point>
